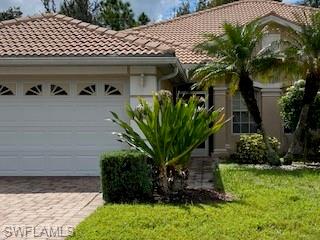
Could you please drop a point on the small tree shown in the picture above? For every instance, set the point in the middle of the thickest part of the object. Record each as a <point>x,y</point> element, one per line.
<point>116,14</point>
<point>49,5</point>
<point>183,9</point>
<point>143,19</point>
<point>84,10</point>
<point>169,132</point>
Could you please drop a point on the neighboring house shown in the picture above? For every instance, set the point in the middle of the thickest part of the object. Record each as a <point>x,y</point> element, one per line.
<point>60,78</point>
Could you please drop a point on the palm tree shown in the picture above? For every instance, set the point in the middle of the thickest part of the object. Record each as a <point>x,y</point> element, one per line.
<point>236,60</point>
<point>303,54</point>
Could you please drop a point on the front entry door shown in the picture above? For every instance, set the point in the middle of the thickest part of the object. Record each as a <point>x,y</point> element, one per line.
<point>203,149</point>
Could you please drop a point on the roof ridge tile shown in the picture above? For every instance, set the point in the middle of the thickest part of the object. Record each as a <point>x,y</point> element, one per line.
<point>115,34</point>
<point>214,9</point>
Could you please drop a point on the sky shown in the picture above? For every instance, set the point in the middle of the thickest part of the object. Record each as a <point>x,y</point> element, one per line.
<point>156,9</point>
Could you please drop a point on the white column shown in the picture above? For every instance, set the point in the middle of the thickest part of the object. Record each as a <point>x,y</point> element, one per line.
<point>143,83</point>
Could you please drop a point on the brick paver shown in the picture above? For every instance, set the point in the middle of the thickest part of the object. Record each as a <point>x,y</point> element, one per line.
<point>45,207</point>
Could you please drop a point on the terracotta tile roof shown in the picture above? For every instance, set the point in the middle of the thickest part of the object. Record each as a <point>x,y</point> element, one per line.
<point>58,35</point>
<point>184,32</point>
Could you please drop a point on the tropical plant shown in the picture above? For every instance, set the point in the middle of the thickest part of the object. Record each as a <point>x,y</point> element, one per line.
<point>236,60</point>
<point>169,132</point>
<point>303,55</point>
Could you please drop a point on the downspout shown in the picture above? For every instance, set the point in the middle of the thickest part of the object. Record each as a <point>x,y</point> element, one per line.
<point>169,76</point>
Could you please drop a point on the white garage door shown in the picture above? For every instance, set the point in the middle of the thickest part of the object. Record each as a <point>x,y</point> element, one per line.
<point>57,128</point>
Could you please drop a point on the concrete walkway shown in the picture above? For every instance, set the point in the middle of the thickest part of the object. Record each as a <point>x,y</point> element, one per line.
<point>201,173</point>
<point>45,207</point>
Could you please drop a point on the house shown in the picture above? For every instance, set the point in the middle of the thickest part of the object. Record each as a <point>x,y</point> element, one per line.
<point>60,78</point>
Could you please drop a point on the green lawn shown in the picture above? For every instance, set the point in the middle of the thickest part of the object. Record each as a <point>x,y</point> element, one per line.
<point>272,204</point>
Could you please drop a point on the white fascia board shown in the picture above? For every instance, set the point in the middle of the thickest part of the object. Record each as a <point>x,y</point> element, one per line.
<point>280,21</point>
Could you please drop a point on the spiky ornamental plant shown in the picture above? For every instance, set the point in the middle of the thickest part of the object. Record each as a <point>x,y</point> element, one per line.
<point>236,60</point>
<point>168,131</point>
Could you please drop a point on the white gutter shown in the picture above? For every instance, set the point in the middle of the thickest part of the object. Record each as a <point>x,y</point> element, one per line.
<point>168,76</point>
<point>94,61</point>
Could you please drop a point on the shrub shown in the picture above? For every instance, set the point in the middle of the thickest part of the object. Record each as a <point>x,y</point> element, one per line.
<point>252,150</point>
<point>125,176</point>
<point>291,104</point>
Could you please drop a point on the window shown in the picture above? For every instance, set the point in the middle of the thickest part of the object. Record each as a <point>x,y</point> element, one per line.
<point>88,90</point>
<point>242,119</point>
<point>57,90</point>
<point>34,91</point>
<point>110,90</point>
<point>5,91</point>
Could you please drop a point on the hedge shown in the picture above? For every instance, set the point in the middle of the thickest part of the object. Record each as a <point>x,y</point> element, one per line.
<point>125,176</point>
<point>252,150</point>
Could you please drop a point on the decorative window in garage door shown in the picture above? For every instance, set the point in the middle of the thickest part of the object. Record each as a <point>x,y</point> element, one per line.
<point>58,90</point>
<point>110,90</point>
<point>7,90</point>
<point>34,90</point>
<point>87,90</point>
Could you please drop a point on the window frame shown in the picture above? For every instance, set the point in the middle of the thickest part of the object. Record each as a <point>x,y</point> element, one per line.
<point>258,97</point>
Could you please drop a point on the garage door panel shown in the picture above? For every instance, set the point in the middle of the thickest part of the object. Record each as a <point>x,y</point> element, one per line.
<point>62,163</point>
<point>10,113</point>
<point>33,162</point>
<point>32,138</point>
<point>9,162</point>
<point>87,163</point>
<point>8,138</point>
<point>59,138</point>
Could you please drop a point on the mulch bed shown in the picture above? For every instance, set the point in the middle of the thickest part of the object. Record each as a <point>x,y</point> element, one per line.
<point>197,196</point>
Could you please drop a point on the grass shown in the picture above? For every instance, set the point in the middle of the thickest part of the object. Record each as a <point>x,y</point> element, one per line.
<point>272,204</point>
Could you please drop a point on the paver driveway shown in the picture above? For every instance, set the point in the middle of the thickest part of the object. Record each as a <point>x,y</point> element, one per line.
<point>45,207</point>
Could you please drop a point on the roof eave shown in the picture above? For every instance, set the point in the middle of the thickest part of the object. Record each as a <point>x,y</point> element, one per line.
<point>88,61</point>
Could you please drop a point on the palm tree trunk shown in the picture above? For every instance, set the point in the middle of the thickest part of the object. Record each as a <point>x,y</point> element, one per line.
<point>163,181</point>
<point>310,93</point>
<point>247,91</point>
